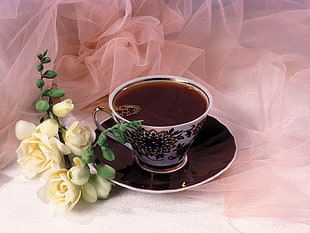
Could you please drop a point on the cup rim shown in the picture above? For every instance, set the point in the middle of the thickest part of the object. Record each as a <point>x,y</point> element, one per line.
<point>179,79</point>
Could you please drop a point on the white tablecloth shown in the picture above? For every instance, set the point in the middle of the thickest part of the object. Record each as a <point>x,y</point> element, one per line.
<point>125,211</point>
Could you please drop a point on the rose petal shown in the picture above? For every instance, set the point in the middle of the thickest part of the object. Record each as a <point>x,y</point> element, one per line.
<point>60,146</point>
<point>24,129</point>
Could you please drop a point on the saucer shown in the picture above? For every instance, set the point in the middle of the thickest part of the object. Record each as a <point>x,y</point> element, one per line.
<point>212,153</point>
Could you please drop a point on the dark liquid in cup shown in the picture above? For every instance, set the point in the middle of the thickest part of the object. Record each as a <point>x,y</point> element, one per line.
<point>161,103</point>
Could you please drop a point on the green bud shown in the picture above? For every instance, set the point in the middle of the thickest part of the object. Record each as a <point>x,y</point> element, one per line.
<point>102,139</point>
<point>50,74</point>
<point>105,171</point>
<point>39,83</point>
<point>42,106</point>
<point>107,153</point>
<point>122,128</point>
<point>88,156</point>
<point>119,136</point>
<point>40,67</point>
<point>55,93</point>
<point>136,125</point>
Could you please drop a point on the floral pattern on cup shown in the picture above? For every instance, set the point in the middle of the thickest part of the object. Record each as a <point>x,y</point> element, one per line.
<point>164,145</point>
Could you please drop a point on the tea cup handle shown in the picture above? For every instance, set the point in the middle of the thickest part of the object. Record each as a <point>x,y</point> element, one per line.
<point>101,128</point>
<point>94,115</point>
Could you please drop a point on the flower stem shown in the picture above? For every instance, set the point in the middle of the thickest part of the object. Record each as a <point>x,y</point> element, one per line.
<point>60,128</point>
<point>66,157</point>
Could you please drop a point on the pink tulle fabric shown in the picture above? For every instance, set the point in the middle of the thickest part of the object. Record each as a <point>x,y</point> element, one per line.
<point>253,55</point>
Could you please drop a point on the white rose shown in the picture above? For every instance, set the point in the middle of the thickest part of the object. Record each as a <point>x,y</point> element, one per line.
<point>48,127</point>
<point>63,108</point>
<point>78,138</point>
<point>60,191</point>
<point>79,174</point>
<point>40,155</point>
<point>24,129</point>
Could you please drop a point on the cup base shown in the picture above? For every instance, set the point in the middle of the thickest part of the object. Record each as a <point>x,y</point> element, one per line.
<point>161,170</point>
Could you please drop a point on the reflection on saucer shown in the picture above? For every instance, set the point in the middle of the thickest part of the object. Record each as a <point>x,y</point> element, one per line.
<point>211,154</point>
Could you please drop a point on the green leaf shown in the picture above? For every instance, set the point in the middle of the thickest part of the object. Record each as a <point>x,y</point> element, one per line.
<point>46,60</point>
<point>42,106</point>
<point>107,153</point>
<point>55,93</point>
<point>50,74</point>
<point>40,67</point>
<point>39,83</point>
<point>44,53</point>
<point>105,171</point>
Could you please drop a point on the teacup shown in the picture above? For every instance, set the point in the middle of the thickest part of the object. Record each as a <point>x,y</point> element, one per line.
<point>173,110</point>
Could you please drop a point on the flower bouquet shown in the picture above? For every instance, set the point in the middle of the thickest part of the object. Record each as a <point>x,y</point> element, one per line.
<point>64,156</point>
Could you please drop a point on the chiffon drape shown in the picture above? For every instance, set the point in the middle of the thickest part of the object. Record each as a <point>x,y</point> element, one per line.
<point>254,57</point>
